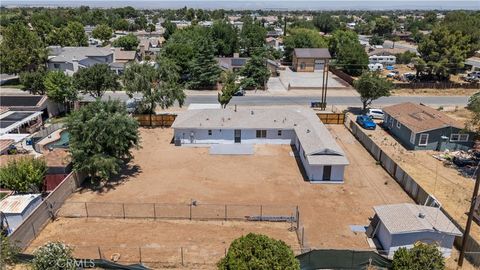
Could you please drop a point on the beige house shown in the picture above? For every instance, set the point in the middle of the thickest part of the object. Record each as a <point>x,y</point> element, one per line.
<point>310,59</point>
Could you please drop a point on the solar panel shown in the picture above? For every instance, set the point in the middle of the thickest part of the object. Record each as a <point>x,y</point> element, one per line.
<point>15,101</point>
<point>17,116</point>
<point>4,124</point>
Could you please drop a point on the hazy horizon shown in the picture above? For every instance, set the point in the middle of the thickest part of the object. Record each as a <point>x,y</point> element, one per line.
<point>255,5</point>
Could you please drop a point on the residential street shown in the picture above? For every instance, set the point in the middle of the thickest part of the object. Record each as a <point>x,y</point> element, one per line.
<point>269,99</point>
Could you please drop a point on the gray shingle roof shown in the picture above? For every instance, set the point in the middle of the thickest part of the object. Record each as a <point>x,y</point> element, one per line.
<point>321,53</point>
<point>314,137</point>
<point>67,54</point>
<point>405,218</point>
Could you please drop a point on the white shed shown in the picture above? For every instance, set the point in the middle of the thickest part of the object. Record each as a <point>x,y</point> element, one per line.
<point>402,225</point>
<point>17,207</point>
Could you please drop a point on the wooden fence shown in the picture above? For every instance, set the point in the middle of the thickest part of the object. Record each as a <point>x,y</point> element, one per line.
<point>156,120</point>
<point>410,186</point>
<point>342,75</point>
<point>332,118</point>
<point>45,211</point>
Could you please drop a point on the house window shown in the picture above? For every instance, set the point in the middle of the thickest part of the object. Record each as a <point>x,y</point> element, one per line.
<point>209,132</point>
<point>279,132</point>
<point>398,124</point>
<point>261,133</point>
<point>423,139</point>
<point>458,137</point>
<point>56,66</point>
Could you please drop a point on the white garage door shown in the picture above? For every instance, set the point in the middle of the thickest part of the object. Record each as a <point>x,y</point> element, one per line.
<point>319,64</point>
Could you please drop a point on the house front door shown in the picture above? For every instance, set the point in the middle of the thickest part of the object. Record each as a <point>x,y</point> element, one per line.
<point>238,136</point>
<point>327,173</point>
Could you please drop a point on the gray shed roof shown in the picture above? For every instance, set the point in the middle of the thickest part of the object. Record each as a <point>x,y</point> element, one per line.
<point>408,218</point>
<point>321,53</point>
<point>318,144</point>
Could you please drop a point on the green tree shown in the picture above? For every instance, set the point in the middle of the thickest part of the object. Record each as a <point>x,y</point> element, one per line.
<point>302,38</point>
<point>371,86</point>
<point>53,256</point>
<point>474,106</point>
<point>255,70</point>
<point>101,136</point>
<point>229,88</point>
<point>352,58</point>
<point>252,36</point>
<point>33,81</point>
<point>325,23</point>
<point>340,37</point>
<point>121,24</point>
<point>444,52</point>
<point>20,50</point>
<point>59,88</point>
<point>96,80</point>
<point>128,42</point>
<point>169,29</point>
<point>102,32</point>
<point>225,38</point>
<point>383,27</point>
<point>376,40</point>
<point>150,28</point>
<point>8,251</point>
<point>77,34</point>
<point>204,72</point>
<point>420,257</point>
<point>256,251</point>
<point>23,175</point>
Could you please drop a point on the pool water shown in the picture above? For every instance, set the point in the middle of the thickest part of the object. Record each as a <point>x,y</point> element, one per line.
<point>62,142</point>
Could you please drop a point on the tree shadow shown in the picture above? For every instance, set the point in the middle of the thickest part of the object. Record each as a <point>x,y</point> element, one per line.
<point>127,171</point>
<point>355,110</point>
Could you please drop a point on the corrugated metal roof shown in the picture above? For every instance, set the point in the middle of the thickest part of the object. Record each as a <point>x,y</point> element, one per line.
<point>321,53</point>
<point>16,204</point>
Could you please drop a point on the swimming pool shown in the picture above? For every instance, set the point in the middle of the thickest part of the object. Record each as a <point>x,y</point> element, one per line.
<point>63,142</point>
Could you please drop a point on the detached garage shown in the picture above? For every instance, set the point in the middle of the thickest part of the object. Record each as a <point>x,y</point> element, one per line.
<point>310,59</point>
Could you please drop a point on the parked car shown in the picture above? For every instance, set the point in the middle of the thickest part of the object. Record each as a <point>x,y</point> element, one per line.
<point>239,94</point>
<point>366,122</point>
<point>375,113</point>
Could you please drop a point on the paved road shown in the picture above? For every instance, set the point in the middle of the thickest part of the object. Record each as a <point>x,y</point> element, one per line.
<point>262,100</point>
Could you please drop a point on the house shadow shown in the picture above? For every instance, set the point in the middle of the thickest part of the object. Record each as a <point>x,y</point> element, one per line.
<point>299,163</point>
<point>127,170</point>
<point>355,110</point>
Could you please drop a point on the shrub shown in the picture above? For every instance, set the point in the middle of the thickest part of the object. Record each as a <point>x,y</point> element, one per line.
<point>421,256</point>
<point>53,256</point>
<point>8,251</point>
<point>23,175</point>
<point>255,251</point>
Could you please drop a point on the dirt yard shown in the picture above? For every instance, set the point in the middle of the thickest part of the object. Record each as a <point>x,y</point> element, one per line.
<point>163,173</point>
<point>451,188</point>
<point>434,92</point>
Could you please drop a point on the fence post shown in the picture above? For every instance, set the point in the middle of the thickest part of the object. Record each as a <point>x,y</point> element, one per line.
<point>99,253</point>
<point>298,218</point>
<point>303,236</point>
<point>140,253</point>
<point>181,254</point>
<point>34,232</point>
<point>225,212</point>
<point>123,207</point>
<point>86,209</point>
<point>154,212</point>
<point>190,211</point>
<point>261,212</point>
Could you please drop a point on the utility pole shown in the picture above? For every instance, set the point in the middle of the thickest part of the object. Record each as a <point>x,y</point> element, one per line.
<point>469,220</point>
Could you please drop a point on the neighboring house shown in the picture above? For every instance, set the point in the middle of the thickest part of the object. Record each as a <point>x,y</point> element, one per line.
<point>71,59</point>
<point>16,208</point>
<point>419,127</point>
<point>321,156</point>
<point>181,23</point>
<point>473,63</point>
<point>384,60</point>
<point>149,46</point>
<point>121,59</point>
<point>403,225</point>
<point>88,30</point>
<point>27,102</point>
<point>403,35</point>
<point>234,63</point>
<point>276,43</point>
<point>20,122</point>
<point>310,59</point>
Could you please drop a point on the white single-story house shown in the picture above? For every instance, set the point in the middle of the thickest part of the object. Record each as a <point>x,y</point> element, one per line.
<point>322,158</point>
<point>15,208</point>
<point>403,225</point>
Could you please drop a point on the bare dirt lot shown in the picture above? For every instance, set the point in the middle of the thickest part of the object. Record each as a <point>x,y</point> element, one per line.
<point>163,173</point>
<point>453,190</point>
<point>434,92</point>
